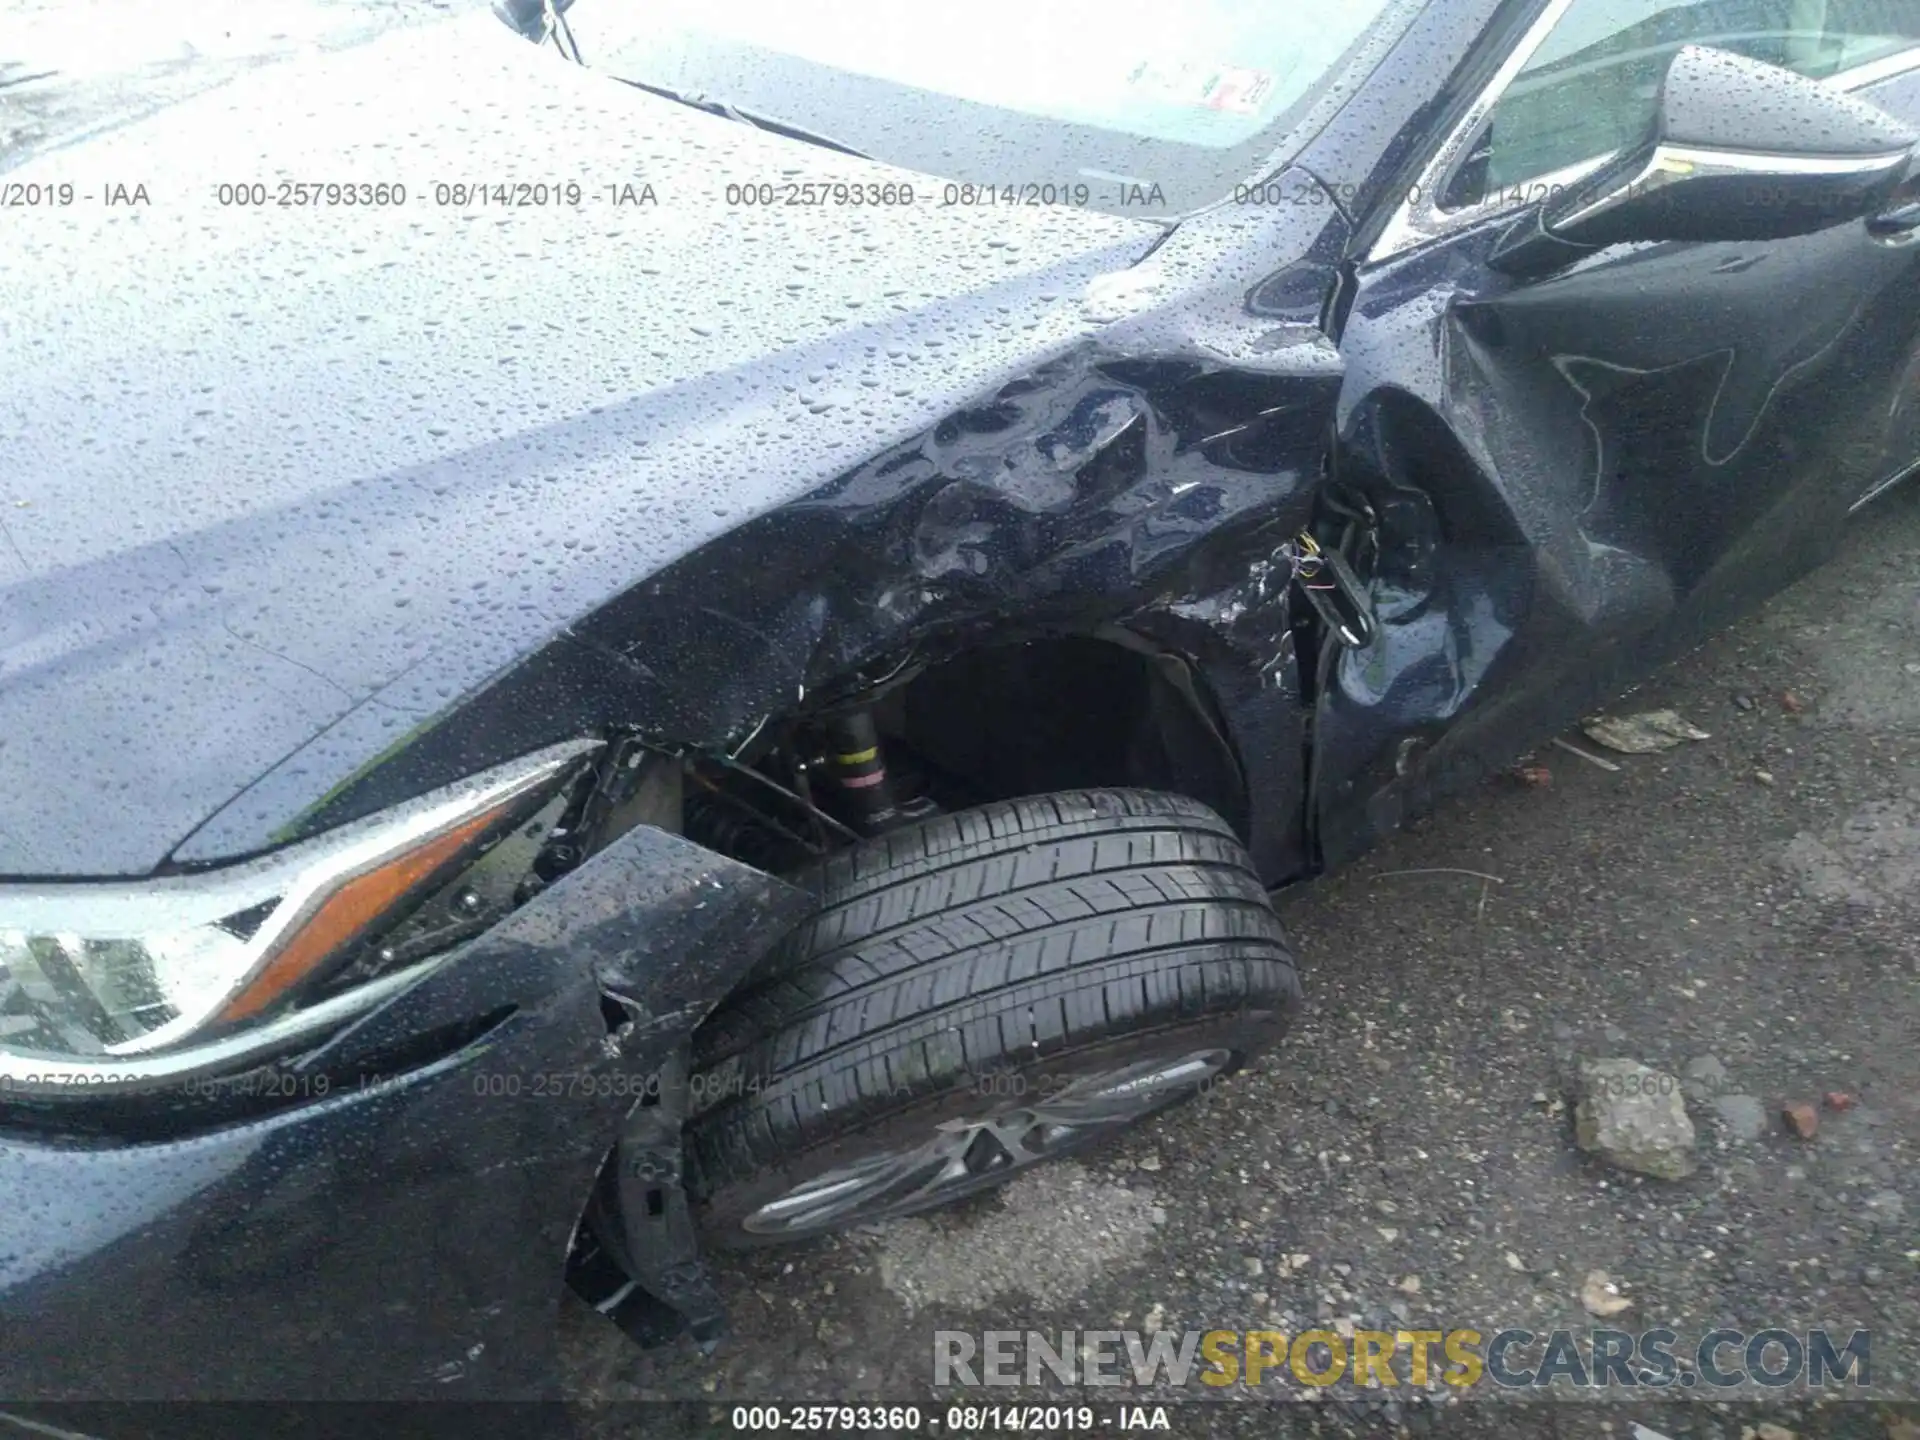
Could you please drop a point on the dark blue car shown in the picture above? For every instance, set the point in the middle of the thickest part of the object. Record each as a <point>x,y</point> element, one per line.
<point>716,627</point>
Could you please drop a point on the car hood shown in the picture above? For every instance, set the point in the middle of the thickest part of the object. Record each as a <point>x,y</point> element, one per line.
<point>265,470</point>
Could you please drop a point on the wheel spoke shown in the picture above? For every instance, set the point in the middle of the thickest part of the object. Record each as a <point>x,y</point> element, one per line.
<point>964,1155</point>
<point>873,1186</point>
<point>1121,1097</point>
<point>999,1143</point>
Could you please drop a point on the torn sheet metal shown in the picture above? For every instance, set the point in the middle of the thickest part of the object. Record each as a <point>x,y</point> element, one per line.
<point>1138,476</point>
<point>1579,475</point>
<point>426,1202</point>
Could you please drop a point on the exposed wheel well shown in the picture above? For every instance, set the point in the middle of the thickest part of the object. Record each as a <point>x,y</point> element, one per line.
<point>997,720</point>
<point>1063,712</point>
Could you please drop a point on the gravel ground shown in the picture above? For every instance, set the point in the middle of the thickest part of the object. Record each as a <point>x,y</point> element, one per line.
<point>1743,904</point>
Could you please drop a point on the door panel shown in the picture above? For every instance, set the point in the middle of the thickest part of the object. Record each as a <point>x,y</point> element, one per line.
<point>1574,475</point>
<point>1900,457</point>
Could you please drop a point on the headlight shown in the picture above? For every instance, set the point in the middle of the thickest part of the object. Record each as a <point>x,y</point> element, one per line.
<point>114,985</point>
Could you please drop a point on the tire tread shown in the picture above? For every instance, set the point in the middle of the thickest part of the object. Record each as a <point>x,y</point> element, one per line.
<point>967,943</point>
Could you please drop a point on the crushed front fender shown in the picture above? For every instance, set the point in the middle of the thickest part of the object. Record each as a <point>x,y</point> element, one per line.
<point>422,1206</point>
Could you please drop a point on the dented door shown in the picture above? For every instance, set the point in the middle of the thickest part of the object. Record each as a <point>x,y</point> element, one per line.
<point>1572,476</point>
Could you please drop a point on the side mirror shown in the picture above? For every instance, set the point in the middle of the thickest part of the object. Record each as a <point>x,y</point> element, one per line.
<point>1740,150</point>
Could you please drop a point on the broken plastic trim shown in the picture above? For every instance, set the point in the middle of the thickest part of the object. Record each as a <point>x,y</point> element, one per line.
<point>1337,595</point>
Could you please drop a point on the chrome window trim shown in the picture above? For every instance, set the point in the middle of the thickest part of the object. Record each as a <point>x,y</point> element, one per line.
<point>1418,219</point>
<point>1874,72</point>
<point>1898,478</point>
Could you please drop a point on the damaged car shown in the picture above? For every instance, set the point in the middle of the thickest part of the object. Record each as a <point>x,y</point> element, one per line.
<point>630,629</point>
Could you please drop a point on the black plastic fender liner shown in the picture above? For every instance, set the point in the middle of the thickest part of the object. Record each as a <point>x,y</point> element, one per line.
<point>427,1213</point>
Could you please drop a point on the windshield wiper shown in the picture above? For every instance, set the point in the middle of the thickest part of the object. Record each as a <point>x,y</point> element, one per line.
<point>729,111</point>
<point>543,20</point>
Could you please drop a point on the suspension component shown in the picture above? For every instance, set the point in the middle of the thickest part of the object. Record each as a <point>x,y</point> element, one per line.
<point>859,770</point>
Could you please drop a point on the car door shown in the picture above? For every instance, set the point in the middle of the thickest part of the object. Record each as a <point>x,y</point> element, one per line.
<point>1550,482</point>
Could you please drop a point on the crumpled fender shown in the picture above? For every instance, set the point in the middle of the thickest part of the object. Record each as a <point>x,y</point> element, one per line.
<point>1142,475</point>
<point>426,1213</point>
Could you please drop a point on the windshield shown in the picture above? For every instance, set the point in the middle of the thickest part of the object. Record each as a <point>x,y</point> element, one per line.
<point>1118,105</point>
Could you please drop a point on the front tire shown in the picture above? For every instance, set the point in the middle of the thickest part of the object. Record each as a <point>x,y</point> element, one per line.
<point>977,993</point>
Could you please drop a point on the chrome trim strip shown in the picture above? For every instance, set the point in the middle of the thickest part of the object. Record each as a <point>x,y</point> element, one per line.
<point>1887,67</point>
<point>1746,162</point>
<point>1418,218</point>
<point>1899,477</point>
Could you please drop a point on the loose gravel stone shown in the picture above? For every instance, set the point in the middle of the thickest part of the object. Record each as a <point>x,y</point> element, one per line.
<point>1706,1074</point>
<point>1742,1116</point>
<point>1632,1116</point>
